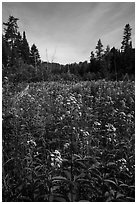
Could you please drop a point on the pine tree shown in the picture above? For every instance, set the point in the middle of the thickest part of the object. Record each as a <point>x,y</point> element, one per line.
<point>34,55</point>
<point>99,50</point>
<point>11,32</point>
<point>92,62</point>
<point>92,56</point>
<point>17,47</point>
<point>11,37</point>
<point>126,43</point>
<point>25,49</point>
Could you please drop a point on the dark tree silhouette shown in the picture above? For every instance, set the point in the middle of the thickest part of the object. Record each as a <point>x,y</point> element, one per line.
<point>25,49</point>
<point>126,43</point>
<point>99,50</point>
<point>34,55</point>
<point>11,30</point>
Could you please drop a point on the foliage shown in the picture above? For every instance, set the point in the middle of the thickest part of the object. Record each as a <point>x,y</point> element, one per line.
<point>15,49</point>
<point>109,64</point>
<point>69,141</point>
<point>126,43</point>
<point>11,30</point>
<point>25,49</point>
<point>99,50</point>
<point>34,55</point>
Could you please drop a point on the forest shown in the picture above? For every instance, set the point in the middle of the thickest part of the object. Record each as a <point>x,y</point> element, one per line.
<point>22,63</point>
<point>68,131</point>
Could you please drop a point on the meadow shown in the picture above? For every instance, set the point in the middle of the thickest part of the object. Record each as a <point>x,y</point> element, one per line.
<point>69,142</point>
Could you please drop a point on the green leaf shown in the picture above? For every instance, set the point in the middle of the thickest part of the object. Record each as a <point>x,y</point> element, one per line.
<point>38,167</point>
<point>110,182</point>
<point>76,156</point>
<point>82,175</point>
<point>79,163</point>
<point>95,173</point>
<point>119,195</point>
<point>8,161</point>
<point>61,178</point>
<point>124,185</point>
<point>83,180</point>
<point>91,159</point>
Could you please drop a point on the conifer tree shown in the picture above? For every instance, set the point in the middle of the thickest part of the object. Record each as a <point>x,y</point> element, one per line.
<point>11,37</point>
<point>25,49</point>
<point>34,55</point>
<point>17,47</point>
<point>126,43</point>
<point>11,32</point>
<point>99,50</point>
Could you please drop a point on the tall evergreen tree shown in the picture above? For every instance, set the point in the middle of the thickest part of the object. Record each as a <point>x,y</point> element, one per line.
<point>11,32</point>
<point>25,49</point>
<point>11,37</point>
<point>99,59</point>
<point>92,62</point>
<point>99,50</point>
<point>34,55</point>
<point>126,43</point>
<point>17,47</point>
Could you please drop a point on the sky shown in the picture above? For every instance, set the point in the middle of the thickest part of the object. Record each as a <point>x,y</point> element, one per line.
<point>67,32</point>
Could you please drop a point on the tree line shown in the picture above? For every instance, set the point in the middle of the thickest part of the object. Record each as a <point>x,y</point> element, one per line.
<point>22,63</point>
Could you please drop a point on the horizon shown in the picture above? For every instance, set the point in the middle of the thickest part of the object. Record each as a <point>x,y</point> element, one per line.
<point>69,31</point>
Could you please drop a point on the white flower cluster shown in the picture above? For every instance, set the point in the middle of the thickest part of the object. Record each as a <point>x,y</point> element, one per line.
<point>31,143</point>
<point>123,164</point>
<point>56,159</point>
<point>96,123</point>
<point>74,105</point>
<point>85,133</point>
<point>60,99</point>
<point>66,145</point>
<point>110,128</point>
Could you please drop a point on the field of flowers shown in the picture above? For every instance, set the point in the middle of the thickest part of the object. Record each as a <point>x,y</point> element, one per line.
<point>71,142</point>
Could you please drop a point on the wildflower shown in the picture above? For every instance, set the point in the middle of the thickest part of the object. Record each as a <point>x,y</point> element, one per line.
<point>57,153</point>
<point>52,157</point>
<point>80,113</point>
<point>52,164</point>
<point>86,133</point>
<point>123,114</point>
<point>97,123</point>
<point>110,128</point>
<point>62,117</point>
<point>122,160</point>
<point>66,145</point>
<point>56,159</point>
<point>31,142</point>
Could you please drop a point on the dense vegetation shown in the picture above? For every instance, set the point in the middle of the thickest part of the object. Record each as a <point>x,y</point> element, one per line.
<point>69,141</point>
<point>68,130</point>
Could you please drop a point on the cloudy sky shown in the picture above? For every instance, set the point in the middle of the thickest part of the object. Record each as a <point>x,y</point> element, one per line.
<point>69,31</point>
